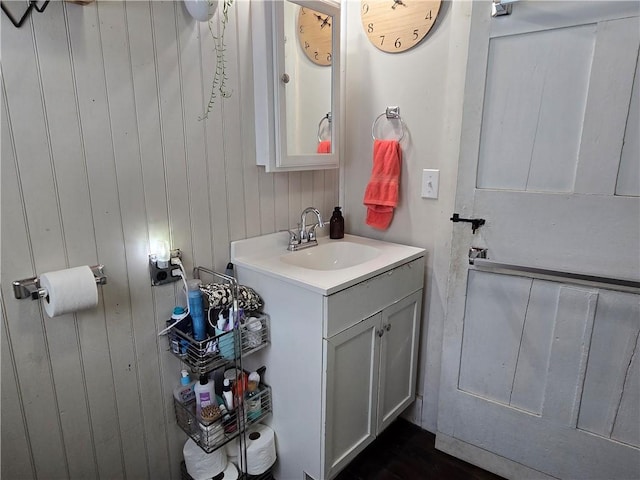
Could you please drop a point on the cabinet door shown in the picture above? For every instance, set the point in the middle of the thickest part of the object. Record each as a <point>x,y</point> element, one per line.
<point>352,393</point>
<point>398,358</point>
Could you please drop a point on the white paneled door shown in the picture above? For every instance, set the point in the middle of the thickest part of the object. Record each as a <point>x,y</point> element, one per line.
<point>540,375</point>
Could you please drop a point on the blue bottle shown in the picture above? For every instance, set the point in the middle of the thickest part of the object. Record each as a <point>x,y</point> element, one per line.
<point>196,311</point>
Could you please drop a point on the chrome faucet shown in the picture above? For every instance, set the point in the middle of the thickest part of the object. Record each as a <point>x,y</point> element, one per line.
<point>305,237</point>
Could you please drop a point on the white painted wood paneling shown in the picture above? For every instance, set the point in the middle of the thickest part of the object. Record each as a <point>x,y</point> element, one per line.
<point>610,375</point>
<point>535,146</point>
<point>629,174</point>
<point>626,428</point>
<point>560,233</point>
<point>30,155</point>
<point>494,319</point>
<point>568,360</point>
<point>17,457</point>
<point>611,80</point>
<point>535,346</point>
<point>103,153</point>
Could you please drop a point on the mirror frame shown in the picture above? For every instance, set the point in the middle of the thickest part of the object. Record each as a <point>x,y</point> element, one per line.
<point>270,96</point>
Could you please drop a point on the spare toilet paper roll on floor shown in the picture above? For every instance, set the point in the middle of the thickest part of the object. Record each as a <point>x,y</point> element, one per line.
<point>201,465</point>
<point>261,449</point>
<point>69,290</point>
<point>230,473</point>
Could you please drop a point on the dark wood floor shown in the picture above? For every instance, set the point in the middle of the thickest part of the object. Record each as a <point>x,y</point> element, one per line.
<point>406,452</point>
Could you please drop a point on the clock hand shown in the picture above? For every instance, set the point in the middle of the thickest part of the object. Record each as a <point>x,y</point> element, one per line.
<point>325,22</point>
<point>398,2</point>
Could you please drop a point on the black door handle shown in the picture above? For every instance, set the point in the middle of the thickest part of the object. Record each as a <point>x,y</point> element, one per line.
<point>475,222</point>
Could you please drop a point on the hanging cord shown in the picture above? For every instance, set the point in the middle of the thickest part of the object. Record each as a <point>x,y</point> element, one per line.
<point>181,317</point>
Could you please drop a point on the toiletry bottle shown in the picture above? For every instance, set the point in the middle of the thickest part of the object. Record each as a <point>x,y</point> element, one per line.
<point>205,394</point>
<point>196,310</point>
<point>178,344</point>
<point>227,394</point>
<point>184,393</point>
<point>336,224</point>
<point>252,401</point>
<point>174,341</point>
<point>228,420</point>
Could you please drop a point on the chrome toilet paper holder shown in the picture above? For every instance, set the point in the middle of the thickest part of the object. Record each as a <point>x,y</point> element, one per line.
<point>30,287</point>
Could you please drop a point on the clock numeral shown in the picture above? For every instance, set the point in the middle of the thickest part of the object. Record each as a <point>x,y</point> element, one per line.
<point>302,11</point>
<point>328,57</point>
<point>365,8</point>
<point>381,39</point>
<point>306,45</point>
<point>301,28</point>
<point>370,28</point>
<point>315,55</point>
<point>397,43</point>
<point>429,16</point>
<point>415,35</point>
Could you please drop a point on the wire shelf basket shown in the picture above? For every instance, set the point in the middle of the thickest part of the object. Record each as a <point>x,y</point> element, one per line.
<point>212,435</point>
<point>219,350</point>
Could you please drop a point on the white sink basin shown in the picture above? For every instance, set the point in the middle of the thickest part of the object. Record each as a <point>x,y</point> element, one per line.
<point>327,268</point>
<point>332,256</point>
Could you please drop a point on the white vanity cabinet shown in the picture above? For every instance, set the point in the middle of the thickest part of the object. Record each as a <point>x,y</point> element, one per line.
<point>342,360</point>
<point>371,376</point>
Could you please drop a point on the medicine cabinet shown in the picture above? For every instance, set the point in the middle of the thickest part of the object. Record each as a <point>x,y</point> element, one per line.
<point>296,72</point>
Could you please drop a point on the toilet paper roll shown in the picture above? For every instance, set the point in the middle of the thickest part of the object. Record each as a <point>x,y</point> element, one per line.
<point>232,447</point>
<point>261,449</point>
<point>230,473</point>
<point>69,290</point>
<point>201,465</point>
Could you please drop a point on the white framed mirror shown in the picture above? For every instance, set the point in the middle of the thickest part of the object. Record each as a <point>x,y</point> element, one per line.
<point>296,50</point>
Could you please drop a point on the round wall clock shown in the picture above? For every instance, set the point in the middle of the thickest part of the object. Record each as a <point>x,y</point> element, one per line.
<point>395,26</point>
<point>315,33</point>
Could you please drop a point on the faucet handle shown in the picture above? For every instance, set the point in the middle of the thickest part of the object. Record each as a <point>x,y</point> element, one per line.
<point>293,236</point>
<point>312,231</point>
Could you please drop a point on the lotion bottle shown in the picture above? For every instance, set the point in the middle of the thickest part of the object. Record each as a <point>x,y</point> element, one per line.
<point>227,394</point>
<point>205,394</point>
<point>336,224</point>
<point>184,393</point>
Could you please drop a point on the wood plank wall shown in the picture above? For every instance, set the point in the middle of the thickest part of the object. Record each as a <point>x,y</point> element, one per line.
<point>103,153</point>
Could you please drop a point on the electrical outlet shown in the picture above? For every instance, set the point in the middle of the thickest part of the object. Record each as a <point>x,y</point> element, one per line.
<point>430,182</point>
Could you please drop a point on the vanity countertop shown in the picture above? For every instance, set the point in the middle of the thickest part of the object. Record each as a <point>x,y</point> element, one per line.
<point>268,255</point>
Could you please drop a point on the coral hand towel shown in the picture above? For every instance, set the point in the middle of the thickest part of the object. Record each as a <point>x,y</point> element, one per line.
<point>324,146</point>
<point>381,194</point>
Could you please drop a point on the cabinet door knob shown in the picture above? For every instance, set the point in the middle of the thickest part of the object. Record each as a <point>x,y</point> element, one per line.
<point>387,327</point>
<point>285,78</point>
<point>380,332</point>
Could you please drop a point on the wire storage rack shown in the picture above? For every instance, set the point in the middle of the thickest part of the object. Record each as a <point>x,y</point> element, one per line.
<point>224,351</point>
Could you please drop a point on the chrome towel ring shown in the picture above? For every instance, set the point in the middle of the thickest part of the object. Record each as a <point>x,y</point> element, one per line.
<point>327,117</point>
<point>392,113</point>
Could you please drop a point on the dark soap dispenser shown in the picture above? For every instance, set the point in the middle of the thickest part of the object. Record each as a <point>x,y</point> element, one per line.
<point>336,224</point>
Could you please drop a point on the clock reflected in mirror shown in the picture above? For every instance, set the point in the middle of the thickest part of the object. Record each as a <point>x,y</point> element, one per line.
<point>314,30</point>
<point>395,26</point>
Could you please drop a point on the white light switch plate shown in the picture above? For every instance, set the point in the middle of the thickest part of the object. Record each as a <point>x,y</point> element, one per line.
<point>430,181</point>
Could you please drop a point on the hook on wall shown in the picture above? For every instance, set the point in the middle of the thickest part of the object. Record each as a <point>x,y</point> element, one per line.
<point>32,4</point>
